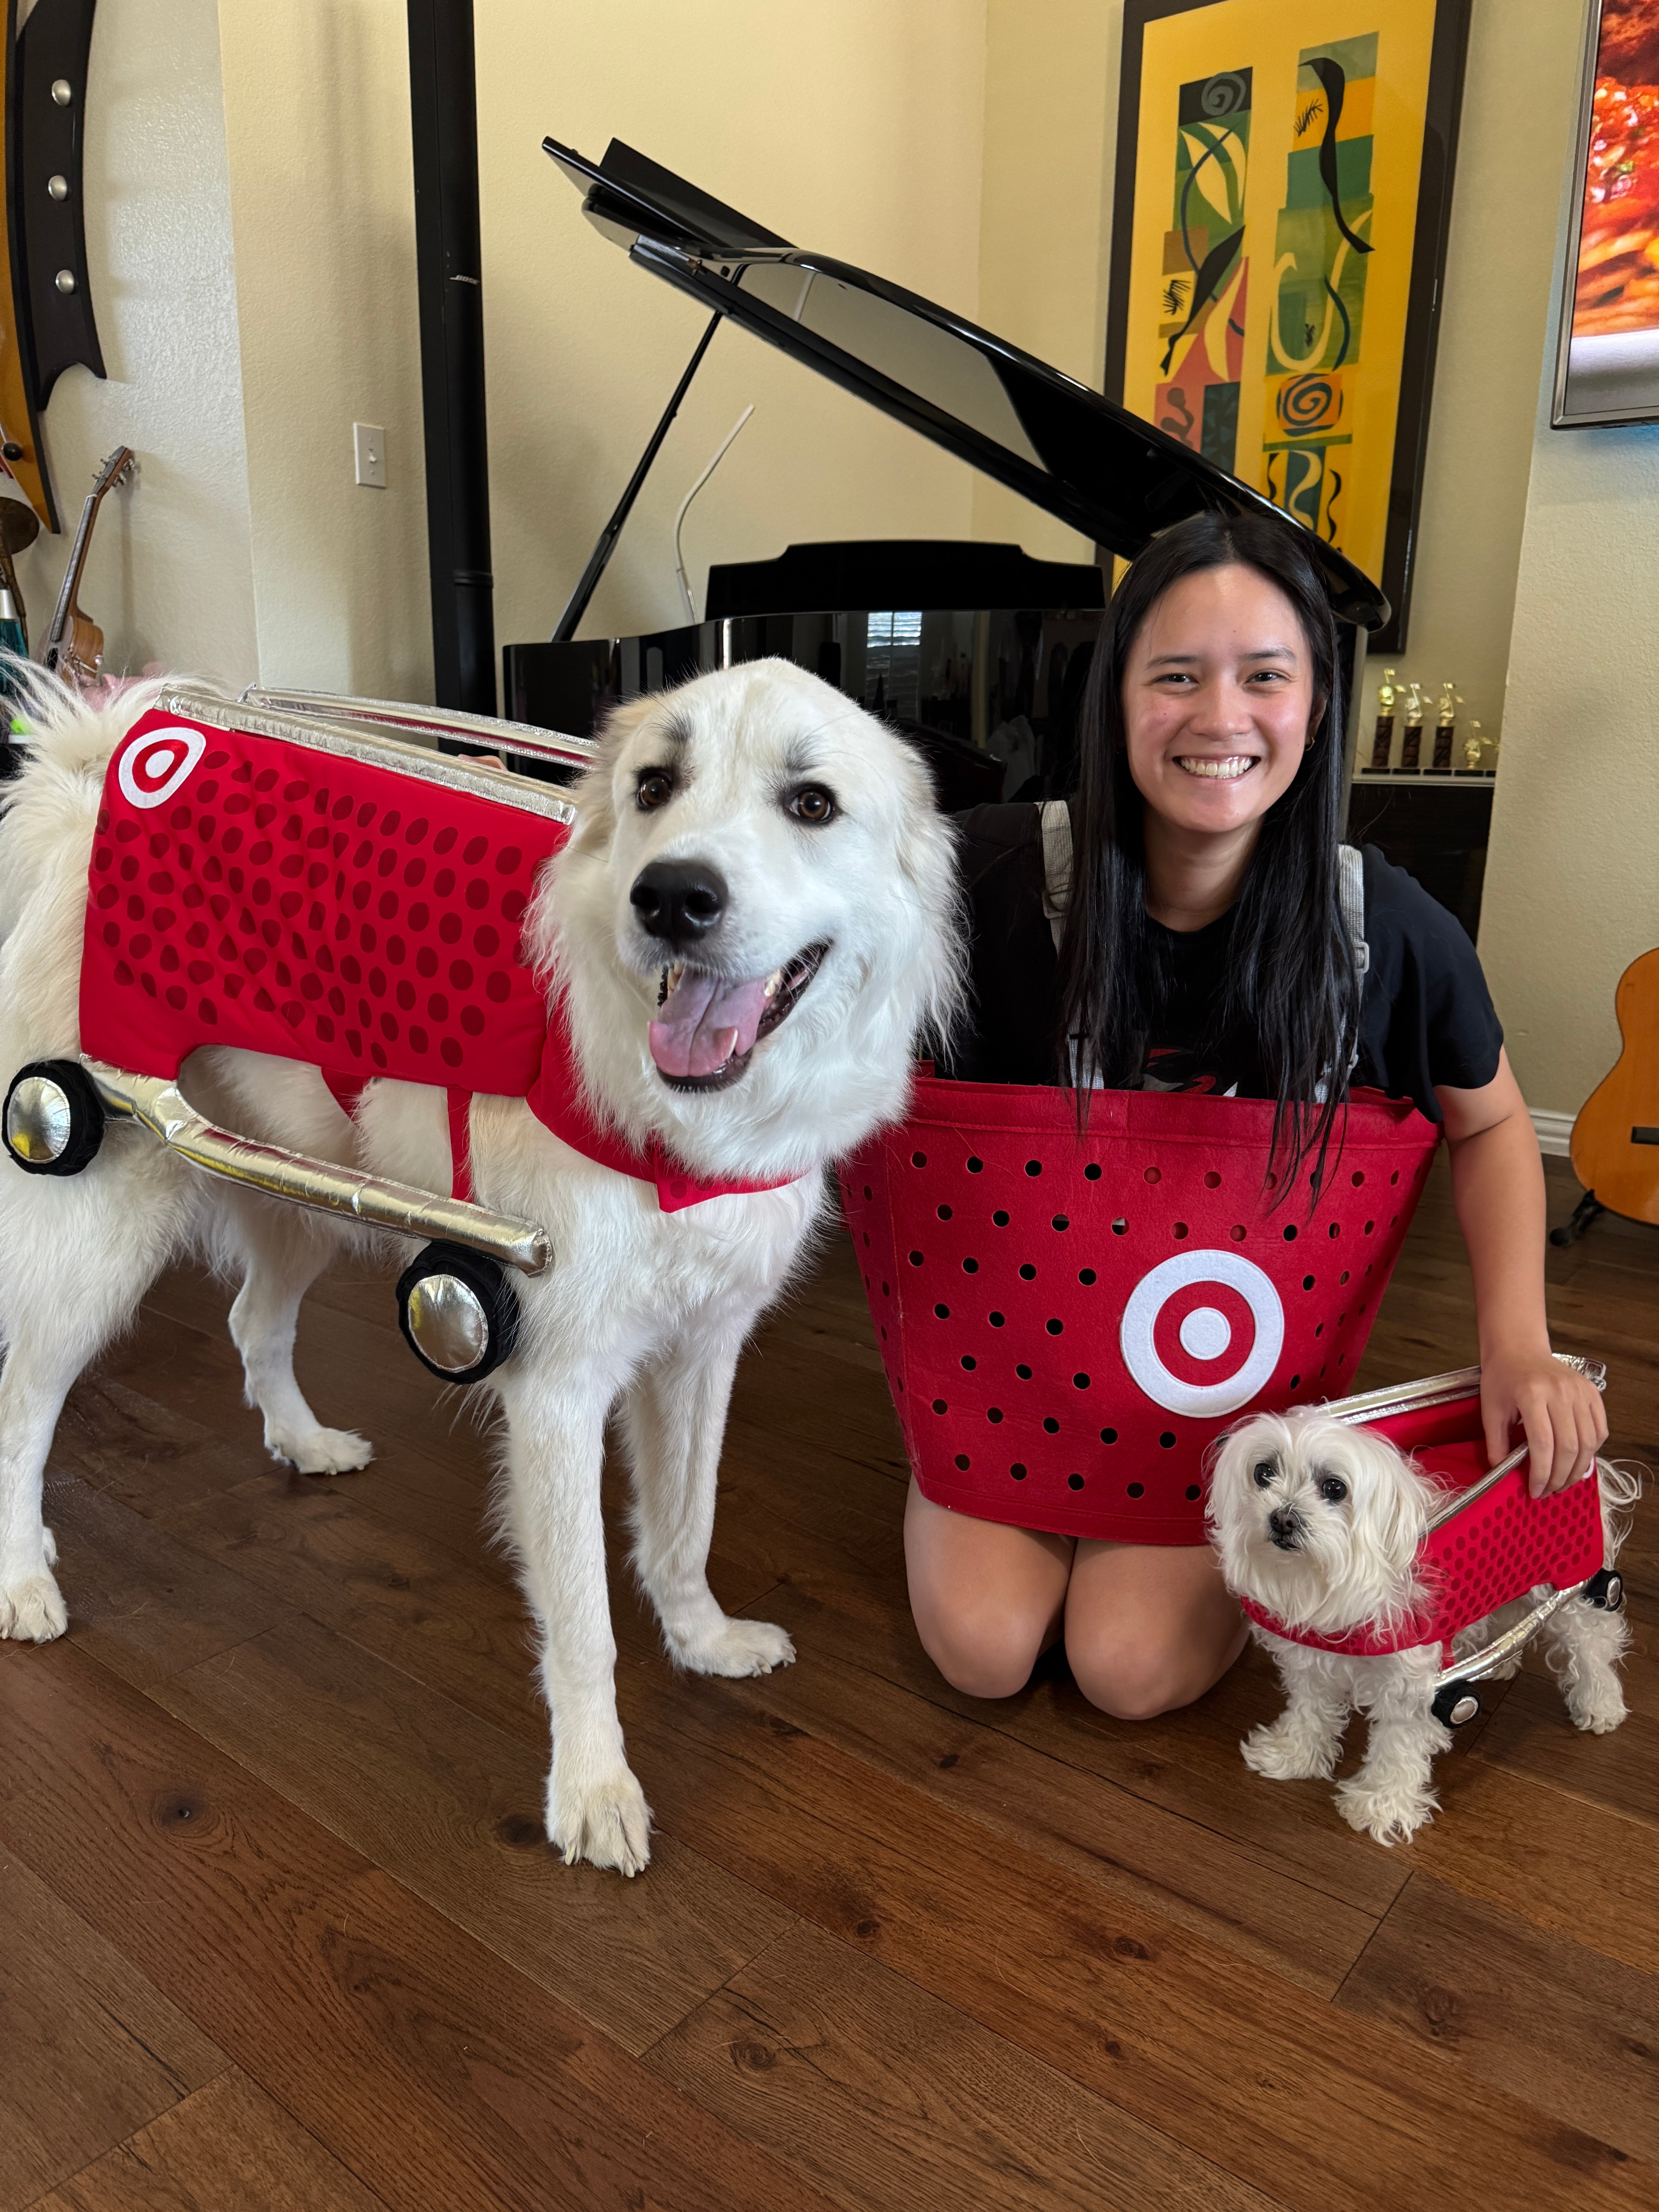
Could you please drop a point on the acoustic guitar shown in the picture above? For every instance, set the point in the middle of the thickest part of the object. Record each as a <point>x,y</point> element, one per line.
<point>74,646</point>
<point>1615,1139</point>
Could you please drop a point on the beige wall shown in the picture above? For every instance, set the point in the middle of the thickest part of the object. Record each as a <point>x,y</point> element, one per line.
<point>1046,228</point>
<point>1572,877</point>
<point>1500,266</point>
<point>170,573</point>
<point>855,130</point>
<point>317,120</point>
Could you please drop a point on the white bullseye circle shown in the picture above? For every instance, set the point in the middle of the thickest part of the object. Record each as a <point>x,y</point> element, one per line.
<point>1147,1300</point>
<point>1206,1333</point>
<point>154,766</point>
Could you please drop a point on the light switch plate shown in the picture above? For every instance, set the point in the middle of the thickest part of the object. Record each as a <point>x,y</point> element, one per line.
<point>369,451</point>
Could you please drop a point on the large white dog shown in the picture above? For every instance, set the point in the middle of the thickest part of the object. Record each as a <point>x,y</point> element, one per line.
<point>754,920</point>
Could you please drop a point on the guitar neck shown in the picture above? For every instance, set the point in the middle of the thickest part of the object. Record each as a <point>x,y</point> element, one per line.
<point>115,472</point>
<point>66,597</point>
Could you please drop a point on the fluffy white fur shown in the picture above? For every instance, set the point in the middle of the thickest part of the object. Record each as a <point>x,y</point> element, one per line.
<point>1319,1524</point>
<point>641,1311</point>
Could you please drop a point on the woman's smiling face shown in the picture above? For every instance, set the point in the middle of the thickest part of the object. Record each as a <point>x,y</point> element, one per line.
<point>1217,700</point>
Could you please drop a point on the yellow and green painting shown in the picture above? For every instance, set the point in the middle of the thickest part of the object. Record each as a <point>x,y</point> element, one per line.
<point>1280,143</point>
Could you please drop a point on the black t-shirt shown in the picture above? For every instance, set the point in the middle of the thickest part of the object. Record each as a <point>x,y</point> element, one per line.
<point>1426,1017</point>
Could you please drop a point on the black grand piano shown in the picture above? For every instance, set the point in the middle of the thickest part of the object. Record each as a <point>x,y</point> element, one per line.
<point>977,652</point>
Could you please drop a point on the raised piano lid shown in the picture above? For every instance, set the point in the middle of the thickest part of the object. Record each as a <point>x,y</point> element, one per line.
<point>1065,448</point>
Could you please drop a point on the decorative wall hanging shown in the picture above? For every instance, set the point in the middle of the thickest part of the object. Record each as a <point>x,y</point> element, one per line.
<point>1283,192</point>
<point>46,323</point>
<point>1606,368</point>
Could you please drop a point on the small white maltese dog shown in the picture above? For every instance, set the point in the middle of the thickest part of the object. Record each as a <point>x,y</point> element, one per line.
<point>1319,1524</point>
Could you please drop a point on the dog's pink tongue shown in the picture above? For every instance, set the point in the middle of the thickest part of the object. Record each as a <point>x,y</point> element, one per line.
<point>704,1021</point>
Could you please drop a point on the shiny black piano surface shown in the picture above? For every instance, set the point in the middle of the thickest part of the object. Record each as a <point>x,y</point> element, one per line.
<point>978,652</point>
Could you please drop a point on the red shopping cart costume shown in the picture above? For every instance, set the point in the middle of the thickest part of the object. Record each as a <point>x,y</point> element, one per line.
<point>1068,1324</point>
<point>1494,1550</point>
<point>284,898</point>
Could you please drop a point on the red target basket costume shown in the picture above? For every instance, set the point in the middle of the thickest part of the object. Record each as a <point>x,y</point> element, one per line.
<point>307,886</point>
<point>1069,1322</point>
<point>1488,1545</point>
<point>334,899</point>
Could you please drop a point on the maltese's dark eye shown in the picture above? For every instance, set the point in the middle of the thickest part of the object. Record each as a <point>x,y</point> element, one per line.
<point>1265,1472</point>
<point>813,805</point>
<point>654,788</point>
<point>1333,1488</point>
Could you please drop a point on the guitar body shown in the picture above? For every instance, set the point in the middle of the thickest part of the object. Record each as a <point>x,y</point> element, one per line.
<point>1615,1139</point>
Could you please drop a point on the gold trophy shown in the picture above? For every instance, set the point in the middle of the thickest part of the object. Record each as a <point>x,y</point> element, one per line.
<point>1445,729</point>
<point>1382,736</point>
<point>1410,747</point>
<point>1474,751</point>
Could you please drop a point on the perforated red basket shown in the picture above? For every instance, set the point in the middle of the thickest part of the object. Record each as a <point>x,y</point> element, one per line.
<point>1068,1322</point>
<point>1501,1545</point>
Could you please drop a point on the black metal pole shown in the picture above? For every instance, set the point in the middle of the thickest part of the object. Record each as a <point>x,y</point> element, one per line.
<point>577,606</point>
<point>444,114</point>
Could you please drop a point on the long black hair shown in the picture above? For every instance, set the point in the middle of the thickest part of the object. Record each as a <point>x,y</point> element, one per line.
<point>1288,1009</point>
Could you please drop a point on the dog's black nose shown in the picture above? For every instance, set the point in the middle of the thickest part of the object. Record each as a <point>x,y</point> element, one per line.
<point>1285,1527</point>
<point>679,901</point>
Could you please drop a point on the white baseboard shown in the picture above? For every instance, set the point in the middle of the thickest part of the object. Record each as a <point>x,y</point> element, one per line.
<point>1554,1131</point>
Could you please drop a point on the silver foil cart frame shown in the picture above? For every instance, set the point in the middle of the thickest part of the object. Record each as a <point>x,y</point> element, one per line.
<point>160,1107</point>
<point>349,739</point>
<point>422,724</point>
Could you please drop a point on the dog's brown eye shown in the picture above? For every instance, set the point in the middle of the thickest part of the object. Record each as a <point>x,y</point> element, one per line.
<point>1265,1472</point>
<point>654,788</point>
<point>812,803</point>
<point>1332,1490</point>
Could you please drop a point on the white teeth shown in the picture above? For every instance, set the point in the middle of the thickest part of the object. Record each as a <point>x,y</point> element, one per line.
<point>773,981</point>
<point>1224,771</point>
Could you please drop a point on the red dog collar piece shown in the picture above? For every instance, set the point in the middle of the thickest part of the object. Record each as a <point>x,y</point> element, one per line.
<point>249,891</point>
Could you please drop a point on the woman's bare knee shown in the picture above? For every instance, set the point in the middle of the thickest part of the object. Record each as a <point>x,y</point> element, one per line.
<point>1131,1683</point>
<point>987,1599</point>
<point>983,1658</point>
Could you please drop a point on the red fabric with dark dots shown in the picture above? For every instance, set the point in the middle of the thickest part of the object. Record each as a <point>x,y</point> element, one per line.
<point>247,891</point>
<point>293,901</point>
<point>1068,1324</point>
<point>1496,1550</point>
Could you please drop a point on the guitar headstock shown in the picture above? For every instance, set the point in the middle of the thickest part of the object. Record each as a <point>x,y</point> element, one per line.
<point>119,468</point>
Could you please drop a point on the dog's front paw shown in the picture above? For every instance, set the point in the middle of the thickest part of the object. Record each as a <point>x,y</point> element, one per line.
<point>1285,1752</point>
<point>1597,1704</point>
<point>736,1647</point>
<point>605,1822</point>
<point>1388,1814</point>
<point>32,1609</point>
<point>320,1451</point>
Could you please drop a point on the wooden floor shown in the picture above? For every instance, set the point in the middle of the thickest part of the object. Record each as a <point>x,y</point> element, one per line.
<point>278,1927</point>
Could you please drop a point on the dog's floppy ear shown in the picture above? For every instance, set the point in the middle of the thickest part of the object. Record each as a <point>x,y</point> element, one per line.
<point>592,795</point>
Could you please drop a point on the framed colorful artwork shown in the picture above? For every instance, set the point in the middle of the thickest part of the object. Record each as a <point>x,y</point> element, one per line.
<point>1606,368</point>
<point>1279,236</point>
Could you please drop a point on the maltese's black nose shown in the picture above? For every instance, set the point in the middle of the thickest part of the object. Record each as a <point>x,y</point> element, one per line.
<point>679,901</point>
<point>1285,1527</point>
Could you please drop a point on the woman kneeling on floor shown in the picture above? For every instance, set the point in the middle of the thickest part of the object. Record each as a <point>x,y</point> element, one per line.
<point>1204,949</point>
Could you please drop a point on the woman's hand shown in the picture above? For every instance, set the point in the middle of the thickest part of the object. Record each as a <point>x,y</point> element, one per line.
<point>1560,1409</point>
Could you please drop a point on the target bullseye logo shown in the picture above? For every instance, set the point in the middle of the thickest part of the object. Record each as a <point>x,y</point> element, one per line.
<point>1202,1333</point>
<point>154,765</point>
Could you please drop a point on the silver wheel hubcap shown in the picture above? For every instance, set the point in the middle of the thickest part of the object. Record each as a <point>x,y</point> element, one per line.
<point>448,1323</point>
<point>38,1121</point>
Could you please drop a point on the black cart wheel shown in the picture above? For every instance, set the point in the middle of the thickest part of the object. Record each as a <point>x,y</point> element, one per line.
<point>1457,1705</point>
<point>54,1122</point>
<point>1605,1588</point>
<point>458,1311</point>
